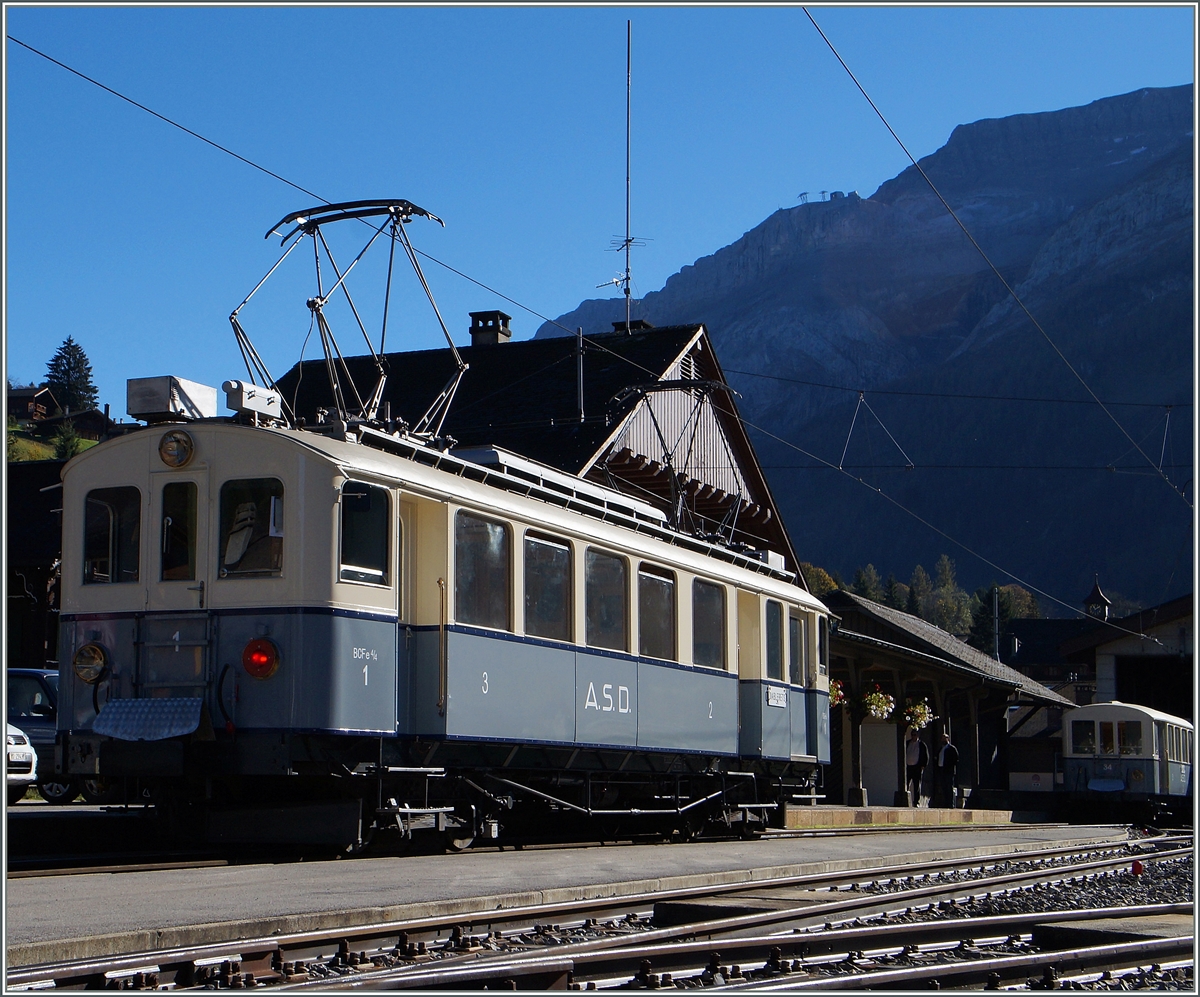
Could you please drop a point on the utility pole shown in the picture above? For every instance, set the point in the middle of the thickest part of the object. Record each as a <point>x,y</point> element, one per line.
<point>628,108</point>
<point>579,385</point>
<point>996,622</point>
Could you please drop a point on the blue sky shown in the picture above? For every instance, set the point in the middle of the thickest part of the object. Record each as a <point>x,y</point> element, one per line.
<point>508,123</point>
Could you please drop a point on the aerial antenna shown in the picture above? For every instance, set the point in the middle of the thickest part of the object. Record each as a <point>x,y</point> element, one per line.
<point>624,280</point>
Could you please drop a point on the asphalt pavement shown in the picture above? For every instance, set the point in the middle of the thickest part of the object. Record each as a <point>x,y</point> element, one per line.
<point>73,916</point>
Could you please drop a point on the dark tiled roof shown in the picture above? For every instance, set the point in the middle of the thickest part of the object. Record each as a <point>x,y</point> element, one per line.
<point>1137,623</point>
<point>519,395</point>
<point>926,637</point>
<point>1040,640</point>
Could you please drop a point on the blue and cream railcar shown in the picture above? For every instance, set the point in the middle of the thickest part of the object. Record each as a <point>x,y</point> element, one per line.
<point>259,615</point>
<point>1125,752</point>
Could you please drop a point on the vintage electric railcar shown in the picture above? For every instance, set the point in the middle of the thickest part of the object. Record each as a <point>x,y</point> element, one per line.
<point>1120,753</point>
<point>304,634</point>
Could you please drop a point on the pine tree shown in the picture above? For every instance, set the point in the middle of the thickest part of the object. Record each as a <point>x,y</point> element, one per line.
<point>949,606</point>
<point>67,442</point>
<point>69,377</point>
<point>920,589</point>
<point>895,594</point>
<point>944,573</point>
<point>866,583</point>
<point>982,636</point>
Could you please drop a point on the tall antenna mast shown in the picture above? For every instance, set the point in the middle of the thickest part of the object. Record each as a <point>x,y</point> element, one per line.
<point>625,280</point>
<point>628,115</point>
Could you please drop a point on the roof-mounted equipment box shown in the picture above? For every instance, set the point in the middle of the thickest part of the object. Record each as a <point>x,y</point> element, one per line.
<point>169,399</point>
<point>252,399</point>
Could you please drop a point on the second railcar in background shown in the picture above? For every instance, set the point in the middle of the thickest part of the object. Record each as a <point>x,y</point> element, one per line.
<point>1122,754</point>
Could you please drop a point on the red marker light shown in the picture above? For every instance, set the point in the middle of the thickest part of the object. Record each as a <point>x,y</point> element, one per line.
<point>260,658</point>
<point>1137,868</point>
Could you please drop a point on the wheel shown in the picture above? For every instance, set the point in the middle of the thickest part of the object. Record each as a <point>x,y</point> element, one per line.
<point>16,794</point>
<point>58,791</point>
<point>458,840</point>
<point>98,791</point>
<point>750,830</point>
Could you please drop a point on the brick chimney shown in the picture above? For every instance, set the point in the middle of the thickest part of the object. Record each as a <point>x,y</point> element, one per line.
<point>490,328</point>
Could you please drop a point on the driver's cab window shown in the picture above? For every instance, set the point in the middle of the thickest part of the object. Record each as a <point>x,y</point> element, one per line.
<point>251,527</point>
<point>111,535</point>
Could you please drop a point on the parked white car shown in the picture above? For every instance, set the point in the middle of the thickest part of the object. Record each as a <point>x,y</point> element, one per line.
<point>22,764</point>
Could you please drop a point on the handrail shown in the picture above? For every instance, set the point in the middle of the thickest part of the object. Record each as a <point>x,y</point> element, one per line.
<point>441,703</point>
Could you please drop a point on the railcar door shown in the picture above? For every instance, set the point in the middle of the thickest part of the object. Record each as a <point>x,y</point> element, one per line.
<point>179,562</point>
<point>175,635</point>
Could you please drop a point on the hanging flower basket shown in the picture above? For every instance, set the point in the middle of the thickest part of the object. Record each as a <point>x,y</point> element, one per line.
<point>878,704</point>
<point>918,715</point>
<point>837,694</point>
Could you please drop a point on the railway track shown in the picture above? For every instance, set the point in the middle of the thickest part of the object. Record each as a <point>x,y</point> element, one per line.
<point>606,942</point>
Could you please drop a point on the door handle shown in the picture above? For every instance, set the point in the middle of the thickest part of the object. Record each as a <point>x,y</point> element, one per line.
<point>198,588</point>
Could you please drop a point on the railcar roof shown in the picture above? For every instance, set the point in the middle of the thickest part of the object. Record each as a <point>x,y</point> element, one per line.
<point>1152,713</point>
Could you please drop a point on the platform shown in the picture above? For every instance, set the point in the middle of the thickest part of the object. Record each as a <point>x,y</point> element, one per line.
<point>802,818</point>
<point>84,915</point>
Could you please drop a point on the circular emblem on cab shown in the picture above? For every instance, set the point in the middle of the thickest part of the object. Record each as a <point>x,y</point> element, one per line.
<point>176,448</point>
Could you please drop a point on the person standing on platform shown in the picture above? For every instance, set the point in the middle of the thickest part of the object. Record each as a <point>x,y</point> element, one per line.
<point>916,757</point>
<point>945,762</point>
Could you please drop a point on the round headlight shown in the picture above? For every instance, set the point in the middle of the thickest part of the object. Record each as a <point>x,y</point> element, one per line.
<point>176,448</point>
<point>91,662</point>
<point>260,658</point>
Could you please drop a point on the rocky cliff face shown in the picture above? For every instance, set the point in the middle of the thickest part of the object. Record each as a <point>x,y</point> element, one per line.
<point>1088,213</point>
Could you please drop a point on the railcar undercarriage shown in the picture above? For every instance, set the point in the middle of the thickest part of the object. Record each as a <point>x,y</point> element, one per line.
<point>308,789</point>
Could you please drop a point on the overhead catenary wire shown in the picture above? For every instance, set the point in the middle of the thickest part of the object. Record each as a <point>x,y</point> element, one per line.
<point>924,522</point>
<point>986,259</point>
<point>949,394</point>
<point>599,346</point>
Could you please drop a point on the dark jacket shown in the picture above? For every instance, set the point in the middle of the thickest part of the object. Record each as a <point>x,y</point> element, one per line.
<point>946,762</point>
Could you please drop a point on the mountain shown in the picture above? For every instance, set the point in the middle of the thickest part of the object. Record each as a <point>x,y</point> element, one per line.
<point>1087,213</point>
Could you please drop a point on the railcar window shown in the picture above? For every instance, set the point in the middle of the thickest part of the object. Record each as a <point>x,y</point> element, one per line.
<point>605,595</point>
<point>1129,737</point>
<point>774,639</point>
<point>1083,737</point>
<point>708,624</point>
<point>251,527</point>
<point>656,613</point>
<point>1107,745</point>
<point>823,646</point>
<point>481,572</point>
<point>547,588</point>
<point>112,535</point>
<point>179,531</point>
<point>797,649</point>
<point>366,526</point>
